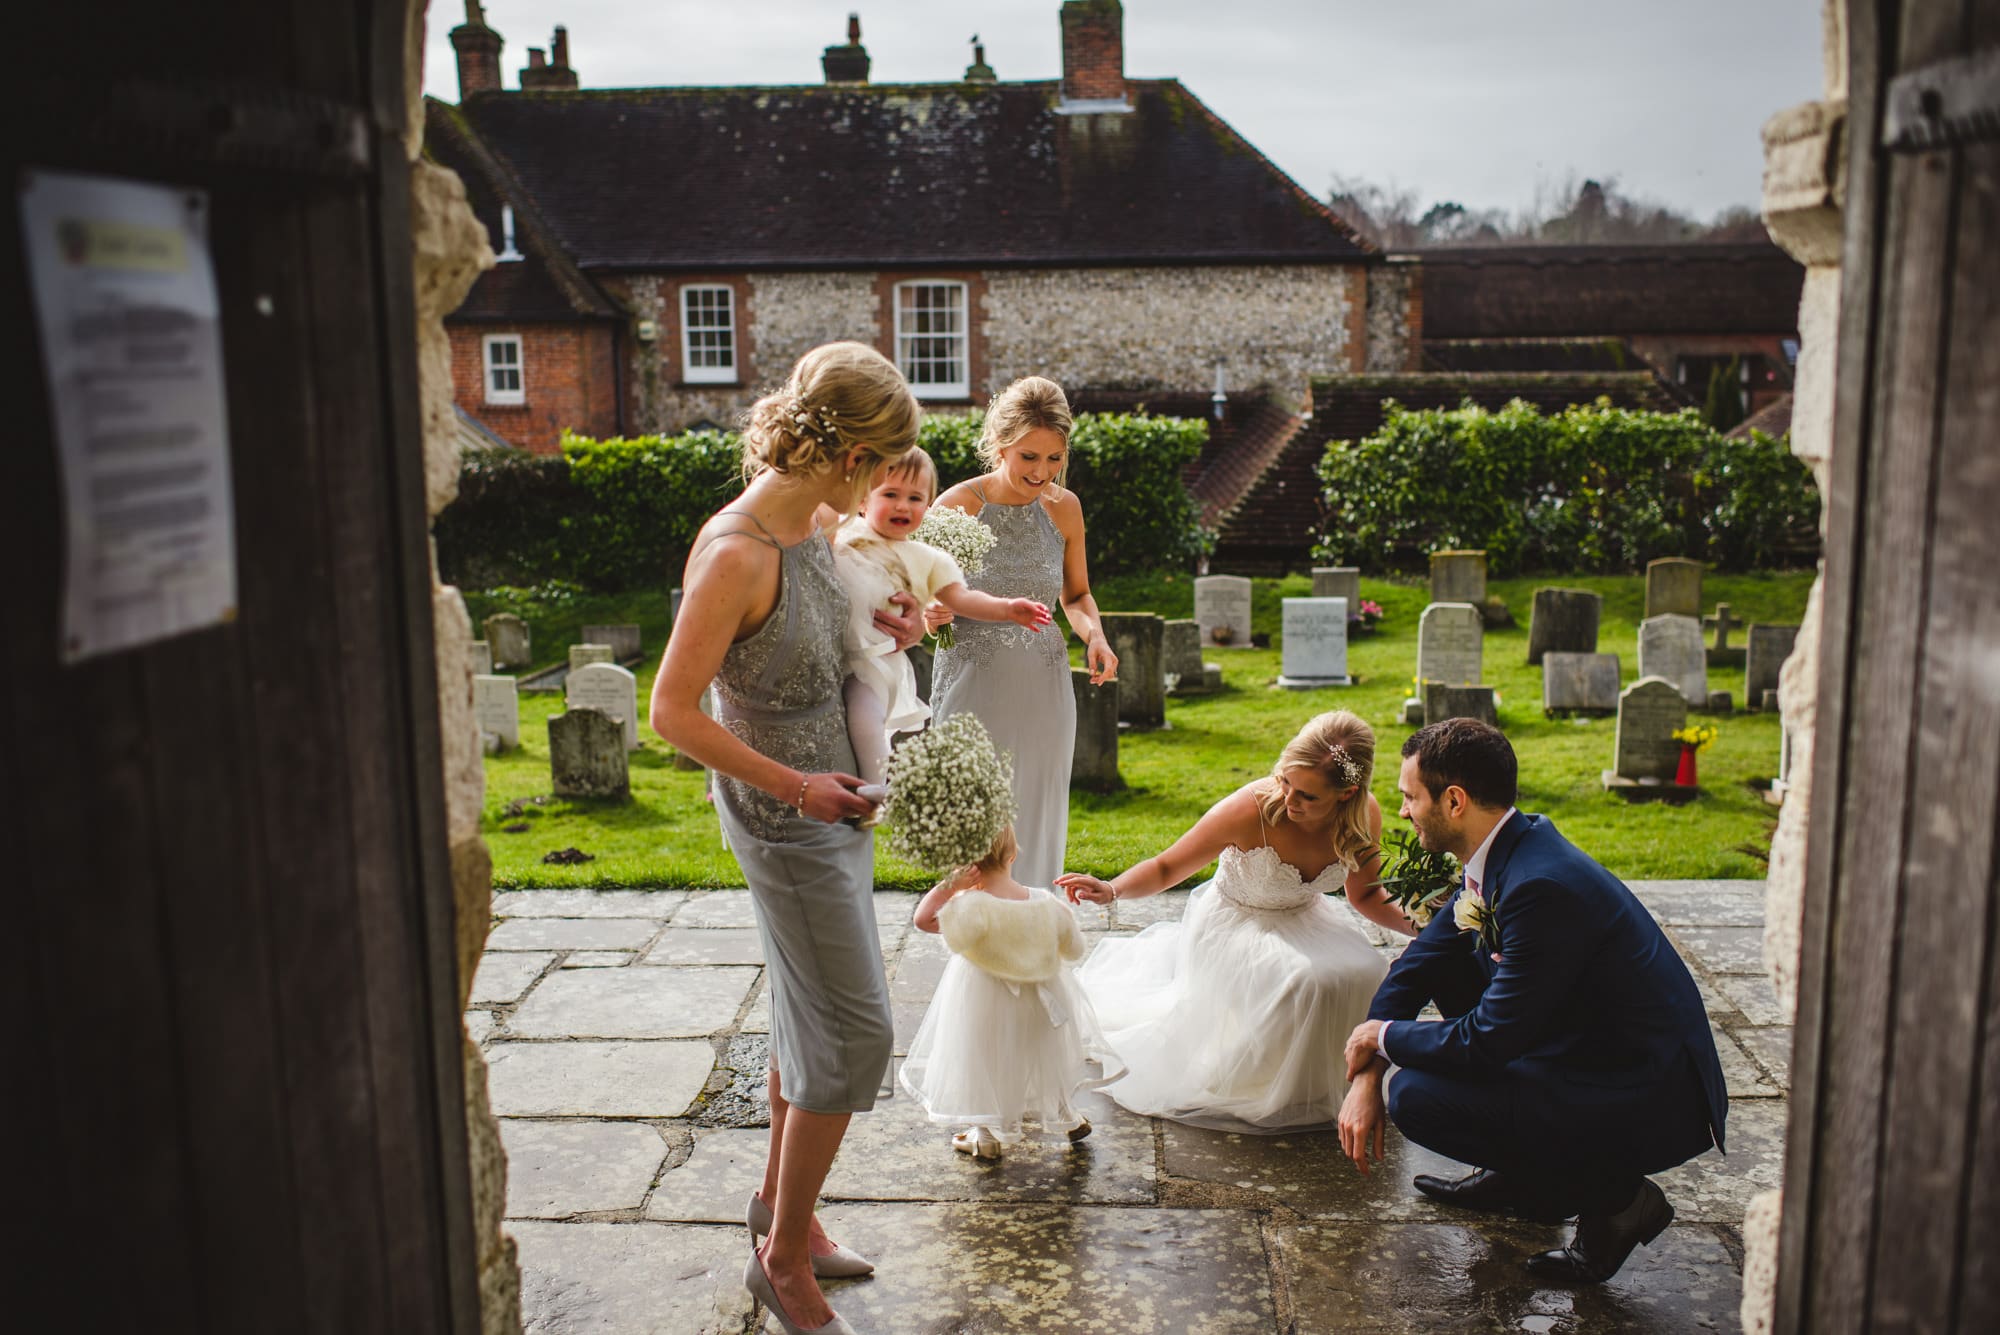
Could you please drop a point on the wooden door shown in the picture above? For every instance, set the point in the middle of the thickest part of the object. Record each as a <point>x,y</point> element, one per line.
<point>234,1094</point>
<point>1892,1206</point>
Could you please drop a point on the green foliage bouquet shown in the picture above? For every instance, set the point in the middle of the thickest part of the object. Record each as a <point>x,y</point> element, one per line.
<point>962,538</point>
<point>951,793</point>
<point>1418,880</point>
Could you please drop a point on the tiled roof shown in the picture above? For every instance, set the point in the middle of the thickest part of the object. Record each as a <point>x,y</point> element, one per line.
<point>1530,354</point>
<point>543,285</point>
<point>1609,291</point>
<point>1773,419</point>
<point>1275,525</point>
<point>883,174</point>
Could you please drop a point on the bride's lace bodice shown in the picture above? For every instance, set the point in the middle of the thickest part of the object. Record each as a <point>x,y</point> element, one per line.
<point>1259,880</point>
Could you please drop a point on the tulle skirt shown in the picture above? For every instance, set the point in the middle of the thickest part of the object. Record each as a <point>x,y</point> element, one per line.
<point>1235,1018</point>
<point>1008,1056</point>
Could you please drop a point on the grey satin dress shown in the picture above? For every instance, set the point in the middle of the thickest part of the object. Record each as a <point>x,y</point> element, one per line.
<point>1016,681</point>
<point>811,884</point>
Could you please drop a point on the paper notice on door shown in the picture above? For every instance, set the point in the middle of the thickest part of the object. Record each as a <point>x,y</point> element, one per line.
<point>131,344</point>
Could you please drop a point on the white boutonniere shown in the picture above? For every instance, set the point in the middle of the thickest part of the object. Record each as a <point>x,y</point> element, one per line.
<point>1471,914</point>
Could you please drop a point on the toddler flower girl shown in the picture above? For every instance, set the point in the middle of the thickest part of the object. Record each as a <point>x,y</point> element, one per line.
<point>875,558</point>
<point>1009,1038</point>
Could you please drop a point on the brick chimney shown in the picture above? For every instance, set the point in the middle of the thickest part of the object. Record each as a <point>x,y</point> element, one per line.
<point>979,71</point>
<point>1093,50</point>
<point>542,74</point>
<point>847,64</point>
<point>478,48</point>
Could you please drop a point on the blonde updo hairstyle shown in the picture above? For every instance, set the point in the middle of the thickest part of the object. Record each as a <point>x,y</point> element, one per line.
<point>840,395</point>
<point>1340,748</point>
<point>1032,403</point>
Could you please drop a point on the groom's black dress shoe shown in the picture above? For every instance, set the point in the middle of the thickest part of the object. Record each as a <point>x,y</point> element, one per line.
<point>1603,1241</point>
<point>1484,1189</point>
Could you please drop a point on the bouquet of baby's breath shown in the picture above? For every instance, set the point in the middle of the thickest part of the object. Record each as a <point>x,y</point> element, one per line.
<point>1418,880</point>
<point>950,795</point>
<point>961,537</point>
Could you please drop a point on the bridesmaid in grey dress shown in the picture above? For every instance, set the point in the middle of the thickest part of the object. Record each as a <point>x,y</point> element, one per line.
<point>1014,681</point>
<point>761,616</point>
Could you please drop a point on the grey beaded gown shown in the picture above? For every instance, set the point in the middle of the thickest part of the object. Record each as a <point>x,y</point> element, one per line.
<point>811,884</point>
<point>1016,681</point>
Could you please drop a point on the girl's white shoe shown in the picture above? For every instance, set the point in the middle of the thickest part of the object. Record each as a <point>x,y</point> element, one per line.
<point>977,1141</point>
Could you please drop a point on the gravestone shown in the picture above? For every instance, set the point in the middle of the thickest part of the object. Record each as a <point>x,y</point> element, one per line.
<point>610,688</point>
<point>1443,702</point>
<point>1094,761</point>
<point>1458,577</point>
<point>1451,641</point>
<point>582,655</point>
<point>482,659</point>
<point>497,706</point>
<point>1339,582</point>
<point>1722,653</point>
<point>1579,684</point>
<point>1563,621</point>
<point>1222,602</point>
<point>1142,686</point>
<point>1673,587</point>
<point>1650,710</point>
<point>1765,654</point>
<point>1670,647</point>
<point>587,754</point>
<point>1314,652</point>
<point>1180,649</point>
<point>507,634</point>
<point>623,637</point>
<point>673,609</point>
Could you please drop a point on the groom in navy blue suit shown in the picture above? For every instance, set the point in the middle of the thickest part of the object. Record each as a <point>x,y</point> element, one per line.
<point>1574,1057</point>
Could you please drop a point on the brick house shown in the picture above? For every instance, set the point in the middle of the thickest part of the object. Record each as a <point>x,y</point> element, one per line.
<point>680,247</point>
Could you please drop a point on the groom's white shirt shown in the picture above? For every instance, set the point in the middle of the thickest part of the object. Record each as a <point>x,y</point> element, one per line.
<point>1475,872</point>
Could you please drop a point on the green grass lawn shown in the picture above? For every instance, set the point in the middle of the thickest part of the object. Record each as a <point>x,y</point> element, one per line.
<point>667,834</point>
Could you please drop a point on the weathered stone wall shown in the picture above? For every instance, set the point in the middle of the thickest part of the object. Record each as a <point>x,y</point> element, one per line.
<point>1804,194</point>
<point>1165,328</point>
<point>1395,318</point>
<point>449,250</point>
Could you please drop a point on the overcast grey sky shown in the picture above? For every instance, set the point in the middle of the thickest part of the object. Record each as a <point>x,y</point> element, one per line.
<point>1478,101</point>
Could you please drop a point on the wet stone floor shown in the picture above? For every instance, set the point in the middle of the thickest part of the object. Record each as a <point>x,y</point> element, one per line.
<point>625,1034</point>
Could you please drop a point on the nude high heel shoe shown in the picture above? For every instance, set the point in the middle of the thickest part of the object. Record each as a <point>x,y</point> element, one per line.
<point>840,1264</point>
<point>759,1284</point>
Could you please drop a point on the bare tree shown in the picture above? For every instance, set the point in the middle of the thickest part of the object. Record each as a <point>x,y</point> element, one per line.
<point>1565,211</point>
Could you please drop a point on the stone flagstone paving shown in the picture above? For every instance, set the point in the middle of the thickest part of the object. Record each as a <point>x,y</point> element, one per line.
<point>626,1032</point>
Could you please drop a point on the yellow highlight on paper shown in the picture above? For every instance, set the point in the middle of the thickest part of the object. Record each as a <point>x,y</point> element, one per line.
<point>104,244</point>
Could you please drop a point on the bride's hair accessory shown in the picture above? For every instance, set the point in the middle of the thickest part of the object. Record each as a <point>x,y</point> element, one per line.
<point>1351,770</point>
<point>821,422</point>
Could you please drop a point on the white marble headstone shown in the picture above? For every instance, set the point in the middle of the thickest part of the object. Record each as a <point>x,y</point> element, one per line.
<point>610,688</point>
<point>497,706</point>
<point>482,658</point>
<point>1223,600</point>
<point>1451,644</point>
<point>1670,648</point>
<point>1315,643</point>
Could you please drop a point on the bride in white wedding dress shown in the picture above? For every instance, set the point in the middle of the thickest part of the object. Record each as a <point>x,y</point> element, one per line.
<point>1236,1016</point>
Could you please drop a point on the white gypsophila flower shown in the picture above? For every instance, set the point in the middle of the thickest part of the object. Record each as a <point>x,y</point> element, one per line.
<point>957,534</point>
<point>950,795</point>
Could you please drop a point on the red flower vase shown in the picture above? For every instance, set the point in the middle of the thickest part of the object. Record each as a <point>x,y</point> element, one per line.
<point>1684,776</point>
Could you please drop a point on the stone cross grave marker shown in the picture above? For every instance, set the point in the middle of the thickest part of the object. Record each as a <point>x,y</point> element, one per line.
<point>1339,582</point>
<point>1721,622</point>
<point>1142,685</point>
<point>1670,648</point>
<point>1579,683</point>
<point>508,636</point>
<point>1451,644</point>
<point>1094,760</point>
<point>497,706</point>
<point>582,655</point>
<point>1458,577</point>
<point>1314,652</point>
<point>1769,646</point>
<point>1223,601</point>
<point>1673,587</point>
<point>610,688</point>
<point>623,637</point>
<point>482,658</point>
<point>587,754</point>
<point>1563,621</point>
<point>1650,710</point>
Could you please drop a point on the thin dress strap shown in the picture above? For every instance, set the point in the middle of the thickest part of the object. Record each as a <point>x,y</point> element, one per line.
<point>764,535</point>
<point>978,491</point>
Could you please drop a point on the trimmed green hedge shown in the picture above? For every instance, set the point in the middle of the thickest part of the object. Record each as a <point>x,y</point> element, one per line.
<point>1592,489</point>
<point>621,514</point>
